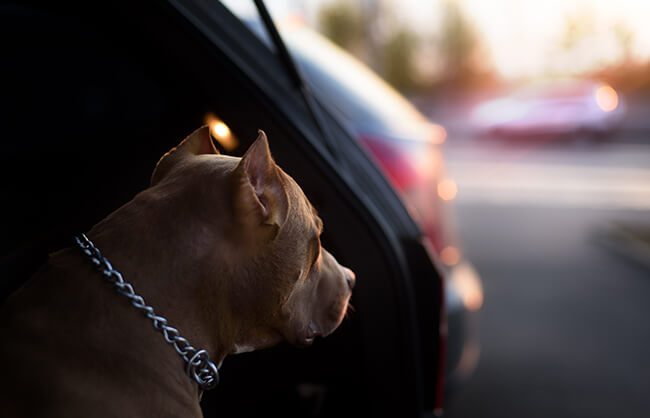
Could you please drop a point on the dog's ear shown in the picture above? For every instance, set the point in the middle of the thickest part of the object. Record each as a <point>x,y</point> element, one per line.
<point>196,143</point>
<point>260,196</point>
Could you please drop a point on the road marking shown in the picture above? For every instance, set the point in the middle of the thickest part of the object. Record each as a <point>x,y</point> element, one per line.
<point>551,185</point>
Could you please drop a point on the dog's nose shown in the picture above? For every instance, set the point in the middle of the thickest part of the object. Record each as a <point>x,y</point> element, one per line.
<point>350,277</point>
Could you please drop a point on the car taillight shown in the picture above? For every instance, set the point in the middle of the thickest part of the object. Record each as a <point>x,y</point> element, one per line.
<point>416,171</point>
<point>393,161</point>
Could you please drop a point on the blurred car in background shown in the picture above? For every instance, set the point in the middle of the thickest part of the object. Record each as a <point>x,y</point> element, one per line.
<point>406,146</point>
<point>561,107</point>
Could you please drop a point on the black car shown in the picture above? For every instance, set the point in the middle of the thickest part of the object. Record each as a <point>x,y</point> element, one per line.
<point>94,94</point>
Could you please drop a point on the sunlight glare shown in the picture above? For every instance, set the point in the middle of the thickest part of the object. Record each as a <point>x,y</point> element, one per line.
<point>438,133</point>
<point>606,98</point>
<point>464,278</point>
<point>447,189</point>
<point>450,256</point>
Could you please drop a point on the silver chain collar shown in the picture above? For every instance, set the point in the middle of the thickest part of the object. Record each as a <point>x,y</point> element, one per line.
<point>199,367</point>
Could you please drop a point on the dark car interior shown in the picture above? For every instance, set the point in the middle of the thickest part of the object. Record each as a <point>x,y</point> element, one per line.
<point>92,97</point>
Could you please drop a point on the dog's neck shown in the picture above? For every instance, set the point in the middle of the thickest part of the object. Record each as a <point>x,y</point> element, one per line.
<point>187,269</point>
<point>175,288</point>
<point>173,280</point>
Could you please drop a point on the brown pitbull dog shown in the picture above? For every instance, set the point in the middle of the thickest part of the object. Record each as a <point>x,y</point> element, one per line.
<point>226,249</point>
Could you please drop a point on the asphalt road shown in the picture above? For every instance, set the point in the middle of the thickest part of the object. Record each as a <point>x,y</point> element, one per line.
<point>565,326</point>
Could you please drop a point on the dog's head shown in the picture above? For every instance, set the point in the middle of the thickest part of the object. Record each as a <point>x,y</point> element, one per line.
<point>264,244</point>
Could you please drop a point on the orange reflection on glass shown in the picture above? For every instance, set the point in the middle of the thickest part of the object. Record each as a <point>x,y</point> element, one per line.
<point>221,132</point>
<point>450,255</point>
<point>220,129</point>
<point>606,98</point>
<point>447,189</point>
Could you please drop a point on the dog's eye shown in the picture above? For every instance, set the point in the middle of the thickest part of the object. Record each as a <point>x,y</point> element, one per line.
<point>317,258</point>
<point>315,246</point>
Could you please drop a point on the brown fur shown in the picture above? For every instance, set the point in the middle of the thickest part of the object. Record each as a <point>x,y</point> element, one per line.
<point>221,246</point>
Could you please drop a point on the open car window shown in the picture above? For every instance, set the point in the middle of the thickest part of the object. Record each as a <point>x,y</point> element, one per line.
<point>99,93</point>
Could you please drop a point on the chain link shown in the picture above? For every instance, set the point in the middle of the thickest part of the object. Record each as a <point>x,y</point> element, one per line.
<point>199,367</point>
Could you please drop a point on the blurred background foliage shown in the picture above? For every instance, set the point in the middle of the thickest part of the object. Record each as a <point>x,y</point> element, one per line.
<point>456,54</point>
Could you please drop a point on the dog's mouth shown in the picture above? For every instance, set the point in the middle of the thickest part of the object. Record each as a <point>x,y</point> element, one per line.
<point>306,337</point>
<point>331,322</point>
<point>319,318</point>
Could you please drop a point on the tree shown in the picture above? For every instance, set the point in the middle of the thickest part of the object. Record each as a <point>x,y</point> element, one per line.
<point>577,29</point>
<point>390,52</point>
<point>399,52</point>
<point>342,23</point>
<point>458,45</point>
